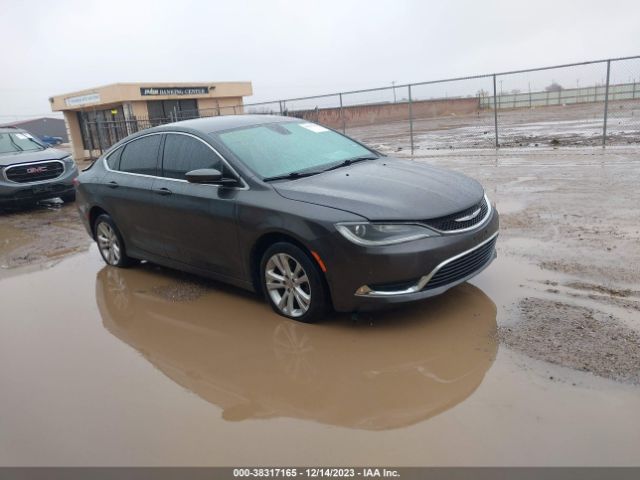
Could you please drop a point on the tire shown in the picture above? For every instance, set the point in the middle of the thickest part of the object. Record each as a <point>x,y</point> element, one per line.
<point>68,197</point>
<point>287,286</point>
<point>110,243</point>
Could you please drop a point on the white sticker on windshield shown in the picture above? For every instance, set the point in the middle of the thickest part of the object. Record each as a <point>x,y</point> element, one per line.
<point>21,136</point>
<point>313,127</point>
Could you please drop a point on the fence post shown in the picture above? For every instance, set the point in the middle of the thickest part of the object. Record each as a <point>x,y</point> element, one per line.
<point>342,115</point>
<point>606,105</point>
<point>280,105</point>
<point>87,136</point>
<point>99,129</point>
<point>411,119</point>
<point>495,109</point>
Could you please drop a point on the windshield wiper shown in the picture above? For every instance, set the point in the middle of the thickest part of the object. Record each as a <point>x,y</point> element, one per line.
<point>351,161</point>
<point>19,148</point>
<point>40,146</point>
<point>302,173</point>
<point>292,175</point>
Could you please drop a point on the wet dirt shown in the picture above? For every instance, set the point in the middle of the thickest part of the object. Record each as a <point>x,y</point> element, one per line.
<point>552,126</point>
<point>39,235</point>
<point>534,362</point>
<point>576,337</point>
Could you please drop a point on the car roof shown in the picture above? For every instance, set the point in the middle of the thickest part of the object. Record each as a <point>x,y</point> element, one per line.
<point>10,130</point>
<point>227,122</point>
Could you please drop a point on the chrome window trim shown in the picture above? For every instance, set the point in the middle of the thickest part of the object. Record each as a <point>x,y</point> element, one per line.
<point>366,291</point>
<point>245,185</point>
<point>15,165</point>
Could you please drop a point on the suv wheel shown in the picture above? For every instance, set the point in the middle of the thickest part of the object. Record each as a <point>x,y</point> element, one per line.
<point>292,283</point>
<point>110,242</point>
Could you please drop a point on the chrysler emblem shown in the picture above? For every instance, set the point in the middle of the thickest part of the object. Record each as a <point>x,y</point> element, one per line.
<point>471,216</point>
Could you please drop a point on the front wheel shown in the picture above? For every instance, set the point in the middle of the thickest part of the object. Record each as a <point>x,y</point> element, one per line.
<point>292,283</point>
<point>110,242</point>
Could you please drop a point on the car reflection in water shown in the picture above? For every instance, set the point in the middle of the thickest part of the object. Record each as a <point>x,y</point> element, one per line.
<point>393,369</point>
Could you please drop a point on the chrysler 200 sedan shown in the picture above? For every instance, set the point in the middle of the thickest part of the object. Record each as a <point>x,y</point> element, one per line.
<point>306,216</point>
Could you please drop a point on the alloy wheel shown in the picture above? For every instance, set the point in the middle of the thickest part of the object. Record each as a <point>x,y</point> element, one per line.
<point>288,285</point>
<point>108,243</point>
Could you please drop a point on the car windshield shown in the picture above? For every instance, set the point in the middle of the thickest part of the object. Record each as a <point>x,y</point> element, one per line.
<point>18,142</point>
<point>283,148</point>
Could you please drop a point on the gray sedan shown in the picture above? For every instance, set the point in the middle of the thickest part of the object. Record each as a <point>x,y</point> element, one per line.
<point>300,213</point>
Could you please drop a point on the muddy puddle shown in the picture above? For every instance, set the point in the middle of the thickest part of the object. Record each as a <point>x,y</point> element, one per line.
<point>112,367</point>
<point>373,372</point>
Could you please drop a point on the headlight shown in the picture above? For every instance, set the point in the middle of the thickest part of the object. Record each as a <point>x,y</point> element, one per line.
<point>375,234</point>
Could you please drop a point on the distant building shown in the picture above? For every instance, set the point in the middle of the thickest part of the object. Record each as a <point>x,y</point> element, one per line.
<point>98,117</point>
<point>40,127</point>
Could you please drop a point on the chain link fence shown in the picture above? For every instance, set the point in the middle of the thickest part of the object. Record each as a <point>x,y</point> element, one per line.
<point>595,103</point>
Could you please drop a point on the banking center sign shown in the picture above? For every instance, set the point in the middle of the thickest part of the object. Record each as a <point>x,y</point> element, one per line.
<point>151,91</point>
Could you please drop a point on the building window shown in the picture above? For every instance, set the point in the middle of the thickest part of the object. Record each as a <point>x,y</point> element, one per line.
<point>166,111</point>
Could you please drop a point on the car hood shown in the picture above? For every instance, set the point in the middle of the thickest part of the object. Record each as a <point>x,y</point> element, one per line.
<point>28,157</point>
<point>387,189</point>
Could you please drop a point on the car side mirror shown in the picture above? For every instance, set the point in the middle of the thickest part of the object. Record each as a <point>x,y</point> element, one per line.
<point>204,175</point>
<point>209,176</point>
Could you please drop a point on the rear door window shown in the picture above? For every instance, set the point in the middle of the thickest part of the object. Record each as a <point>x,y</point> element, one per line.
<point>141,156</point>
<point>183,153</point>
<point>113,160</point>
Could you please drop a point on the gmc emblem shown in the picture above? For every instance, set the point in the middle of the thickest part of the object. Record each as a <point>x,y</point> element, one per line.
<point>36,169</point>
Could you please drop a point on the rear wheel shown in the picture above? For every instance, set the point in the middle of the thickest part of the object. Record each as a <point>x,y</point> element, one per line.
<point>292,283</point>
<point>110,242</point>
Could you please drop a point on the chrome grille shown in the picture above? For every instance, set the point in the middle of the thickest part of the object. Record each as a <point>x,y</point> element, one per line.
<point>34,172</point>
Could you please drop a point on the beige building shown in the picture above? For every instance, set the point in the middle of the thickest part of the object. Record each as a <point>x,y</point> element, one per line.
<point>97,118</point>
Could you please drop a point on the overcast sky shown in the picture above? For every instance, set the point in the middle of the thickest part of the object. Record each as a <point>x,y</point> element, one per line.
<point>294,48</point>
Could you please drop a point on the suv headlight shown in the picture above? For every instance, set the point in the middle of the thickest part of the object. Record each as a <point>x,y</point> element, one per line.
<point>376,234</point>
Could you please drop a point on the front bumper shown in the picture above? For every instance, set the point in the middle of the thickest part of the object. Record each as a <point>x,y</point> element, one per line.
<point>362,278</point>
<point>14,194</point>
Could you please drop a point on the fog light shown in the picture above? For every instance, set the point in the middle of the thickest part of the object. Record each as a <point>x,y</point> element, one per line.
<point>363,290</point>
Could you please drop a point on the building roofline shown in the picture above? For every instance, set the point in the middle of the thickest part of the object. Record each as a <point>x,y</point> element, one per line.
<point>150,84</point>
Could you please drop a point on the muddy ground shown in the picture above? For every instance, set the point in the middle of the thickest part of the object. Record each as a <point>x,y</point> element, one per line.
<point>40,235</point>
<point>554,126</point>
<point>573,216</point>
<point>534,362</point>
